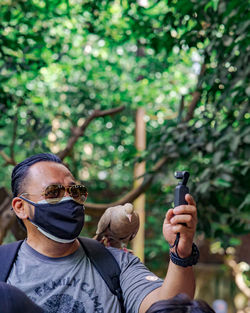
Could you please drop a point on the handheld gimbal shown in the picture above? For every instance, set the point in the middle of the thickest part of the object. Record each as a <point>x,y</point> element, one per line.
<point>181,189</point>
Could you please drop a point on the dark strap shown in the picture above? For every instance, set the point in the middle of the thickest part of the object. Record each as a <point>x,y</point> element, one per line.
<point>8,255</point>
<point>105,264</point>
<point>101,258</point>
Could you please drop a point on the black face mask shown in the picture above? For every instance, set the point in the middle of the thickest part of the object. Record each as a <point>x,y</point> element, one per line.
<point>61,222</point>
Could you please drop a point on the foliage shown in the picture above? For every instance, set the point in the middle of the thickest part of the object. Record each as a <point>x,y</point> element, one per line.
<point>60,60</point>
<point>214,144</point>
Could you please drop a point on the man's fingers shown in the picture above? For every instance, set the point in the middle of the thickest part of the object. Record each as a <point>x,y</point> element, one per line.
<point>185,209</point>
<point>190,199</point>
<point>186,219</point>
<point>179,229</point>
<point>169,215</point>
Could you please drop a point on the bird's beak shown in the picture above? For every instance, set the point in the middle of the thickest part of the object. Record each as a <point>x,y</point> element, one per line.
<point>129,217</point>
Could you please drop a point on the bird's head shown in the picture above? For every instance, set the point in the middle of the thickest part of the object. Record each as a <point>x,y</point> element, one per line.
<point>129,209</point>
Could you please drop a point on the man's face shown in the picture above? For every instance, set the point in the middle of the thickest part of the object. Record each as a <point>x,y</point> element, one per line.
<point>43,174</point>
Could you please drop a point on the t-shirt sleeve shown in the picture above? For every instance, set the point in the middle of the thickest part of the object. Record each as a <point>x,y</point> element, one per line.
<point>135,279</point>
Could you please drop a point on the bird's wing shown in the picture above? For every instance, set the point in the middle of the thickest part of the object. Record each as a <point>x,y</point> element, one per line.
<point>104,221</point>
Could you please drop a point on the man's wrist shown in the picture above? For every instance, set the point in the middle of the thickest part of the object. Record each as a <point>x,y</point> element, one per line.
<point>181,255</point>
<point>192,259</point>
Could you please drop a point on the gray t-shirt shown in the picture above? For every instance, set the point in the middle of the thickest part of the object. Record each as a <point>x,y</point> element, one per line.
<point>71,284</point>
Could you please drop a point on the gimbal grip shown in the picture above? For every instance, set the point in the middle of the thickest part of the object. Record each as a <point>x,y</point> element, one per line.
<point>179,195</point>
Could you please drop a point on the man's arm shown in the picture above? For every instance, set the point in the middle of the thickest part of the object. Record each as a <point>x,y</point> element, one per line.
<point>178,279</point>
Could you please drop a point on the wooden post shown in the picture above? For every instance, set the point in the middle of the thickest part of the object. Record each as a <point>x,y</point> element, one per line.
<point>139,170</point>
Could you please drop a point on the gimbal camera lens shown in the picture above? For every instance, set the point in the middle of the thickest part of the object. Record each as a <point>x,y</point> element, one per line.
<point>184,175</point>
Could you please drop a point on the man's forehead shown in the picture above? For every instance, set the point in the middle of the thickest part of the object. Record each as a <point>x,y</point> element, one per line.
<point>49,169</point>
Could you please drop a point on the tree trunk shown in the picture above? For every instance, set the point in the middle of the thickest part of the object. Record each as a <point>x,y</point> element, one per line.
<point>139,171</point>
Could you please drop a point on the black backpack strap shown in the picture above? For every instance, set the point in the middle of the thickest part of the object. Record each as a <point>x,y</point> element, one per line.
<point>8,253</point>
<point>105,264</point>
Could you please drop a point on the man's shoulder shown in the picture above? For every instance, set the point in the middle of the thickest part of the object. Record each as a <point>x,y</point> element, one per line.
<point>117,251</point>
<point>11,245</point>
<point>8,253</point>
<point>123,257</point>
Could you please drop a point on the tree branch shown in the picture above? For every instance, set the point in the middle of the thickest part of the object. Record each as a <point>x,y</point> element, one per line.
<point>79,131</point>
<point>238,274</point>
<point>181,107</point>
<point>15,125</point>
<point>6,215</point>
<point>97,209</point>
<point>99,113</point>
<point>192,105</point>
<point>196,96</point>
<point>9,161</point>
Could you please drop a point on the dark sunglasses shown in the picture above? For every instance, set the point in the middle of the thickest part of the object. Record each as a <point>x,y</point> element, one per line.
<point>54,193</point>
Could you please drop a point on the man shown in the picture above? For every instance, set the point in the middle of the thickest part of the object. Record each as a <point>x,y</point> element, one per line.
<point>52,268</point>
<point>13,300</point>
<point>180,304</point>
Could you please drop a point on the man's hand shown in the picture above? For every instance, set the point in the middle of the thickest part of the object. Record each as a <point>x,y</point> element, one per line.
<point>183,220</point>
<point>178,279</point>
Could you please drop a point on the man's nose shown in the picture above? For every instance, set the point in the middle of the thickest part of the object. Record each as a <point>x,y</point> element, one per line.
<point>66,193</point>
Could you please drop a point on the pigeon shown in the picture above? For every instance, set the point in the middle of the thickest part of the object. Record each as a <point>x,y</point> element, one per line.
<point>117,226</point>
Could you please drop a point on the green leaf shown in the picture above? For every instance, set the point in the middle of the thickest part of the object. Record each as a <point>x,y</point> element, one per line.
<point>245,202</point>
<point>219,182</point>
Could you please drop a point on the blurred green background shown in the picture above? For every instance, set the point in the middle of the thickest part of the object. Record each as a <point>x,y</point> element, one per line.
<point>185,62</point>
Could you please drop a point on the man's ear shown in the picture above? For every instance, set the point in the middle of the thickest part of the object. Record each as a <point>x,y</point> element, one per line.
<point>19,208</point>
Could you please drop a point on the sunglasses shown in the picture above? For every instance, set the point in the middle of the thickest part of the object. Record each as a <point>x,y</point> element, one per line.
<point>55,193</point>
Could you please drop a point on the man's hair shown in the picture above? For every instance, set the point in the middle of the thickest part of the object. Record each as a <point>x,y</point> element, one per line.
<point>21,170</point>
<point>180,304</point>
<point>15,300</point>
